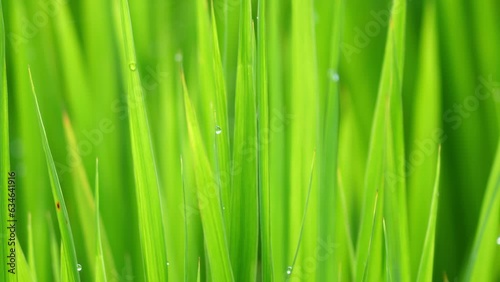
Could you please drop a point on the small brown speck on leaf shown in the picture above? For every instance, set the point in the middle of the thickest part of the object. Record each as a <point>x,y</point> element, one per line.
<point>58,206</point>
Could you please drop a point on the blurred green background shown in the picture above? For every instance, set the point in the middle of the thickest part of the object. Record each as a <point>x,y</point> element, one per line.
<point>450,96</point>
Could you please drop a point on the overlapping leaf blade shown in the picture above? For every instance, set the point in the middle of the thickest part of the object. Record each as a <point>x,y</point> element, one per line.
<point>209,200</point>
<point>69,253</point>
<point>482,262</point>
<point>146,182</point>
<point>385,173</point>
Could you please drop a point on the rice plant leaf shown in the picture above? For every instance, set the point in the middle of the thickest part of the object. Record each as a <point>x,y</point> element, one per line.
<point>221,130</point>
<point>263,128</point>
<point>243,211</point>
<point>384,172</point>
<point>302,134</point>
<point>87,207</point>
<point>347,256</point>
<point>329,123</point>
<point>186,238</point>
<point>100,268</point>
<point>207,81</point>
<point>481,264</point>
<point>65,274</point>
<point>425,269</point>
<point>152,235</point>
<point>26,129</point>
<point>69,257</point>
<point>395,212</point>
<point>23,269</point>
<point>276,67</point>
<point>74,69</point>
<point>55,253</point>
<point>198,277</point>
<point>208,200</point>
<point>289,270</point>
<point>369,261</point>
<point>31,247</point>
<point>4,154</point>
<point>425,134</point>
<point>463,76</point>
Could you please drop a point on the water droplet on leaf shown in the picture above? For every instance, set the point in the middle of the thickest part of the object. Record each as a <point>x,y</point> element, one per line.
<point>333,75</point>
<point>132,66</point>
<point>79,267</point>
<point>289,270</point>
<point>218,130</point>
<point>178,57</point>
<point>498,241</point>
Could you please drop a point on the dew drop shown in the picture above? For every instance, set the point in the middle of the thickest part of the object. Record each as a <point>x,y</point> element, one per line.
<point>218,130</point>
<point>79,267</point>
<point>178,57</point>
<point>333,75</point>
<point>168,263</point>
<point>132,66</point>
<point>289,270</point>
<point>498,241</point>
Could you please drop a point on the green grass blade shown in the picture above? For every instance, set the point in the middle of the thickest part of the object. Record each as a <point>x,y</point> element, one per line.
<point>347,258</point>
<point>211,211</point>
<point>100,268</point>
<point>65,274</point>
<point>4,153</point>
<point>425,269</point>
<point>207,81</point>
<point>23,269</point>
<point>74,70</point>
<point>198,276</point>
<point>221,119</point>
<point>69,257</point>
<point>328,149</point>
<point>277,147</point>
<point>26,128</point>
<point>384,173</point>
<point>425,125</point>
<point>289,271</point>
<point>369,261</point>
<point>301,97</point>
<point>263,127</point>
<point>31,248</point>
<point>243,211</point>
<point>186,238</point>
<point>395,211</point>
<point>86,206</point>
<point>482,263</point>
<point>146,182</point>
<point>55,253</point>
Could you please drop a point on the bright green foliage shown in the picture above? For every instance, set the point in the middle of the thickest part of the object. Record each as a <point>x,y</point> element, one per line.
<point>384,175</point>
<point>87,207</point>
<point>68,254</point>
<point>4,155</point>
<point>146,182</point>
<point>251,140</point>
<point>426,131</point>
<point>425,268</point>
<point>482,261</point>
<point>100,267</point>
<point>209,201</point>
<point>244,209</point>
<point>263,129</point>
